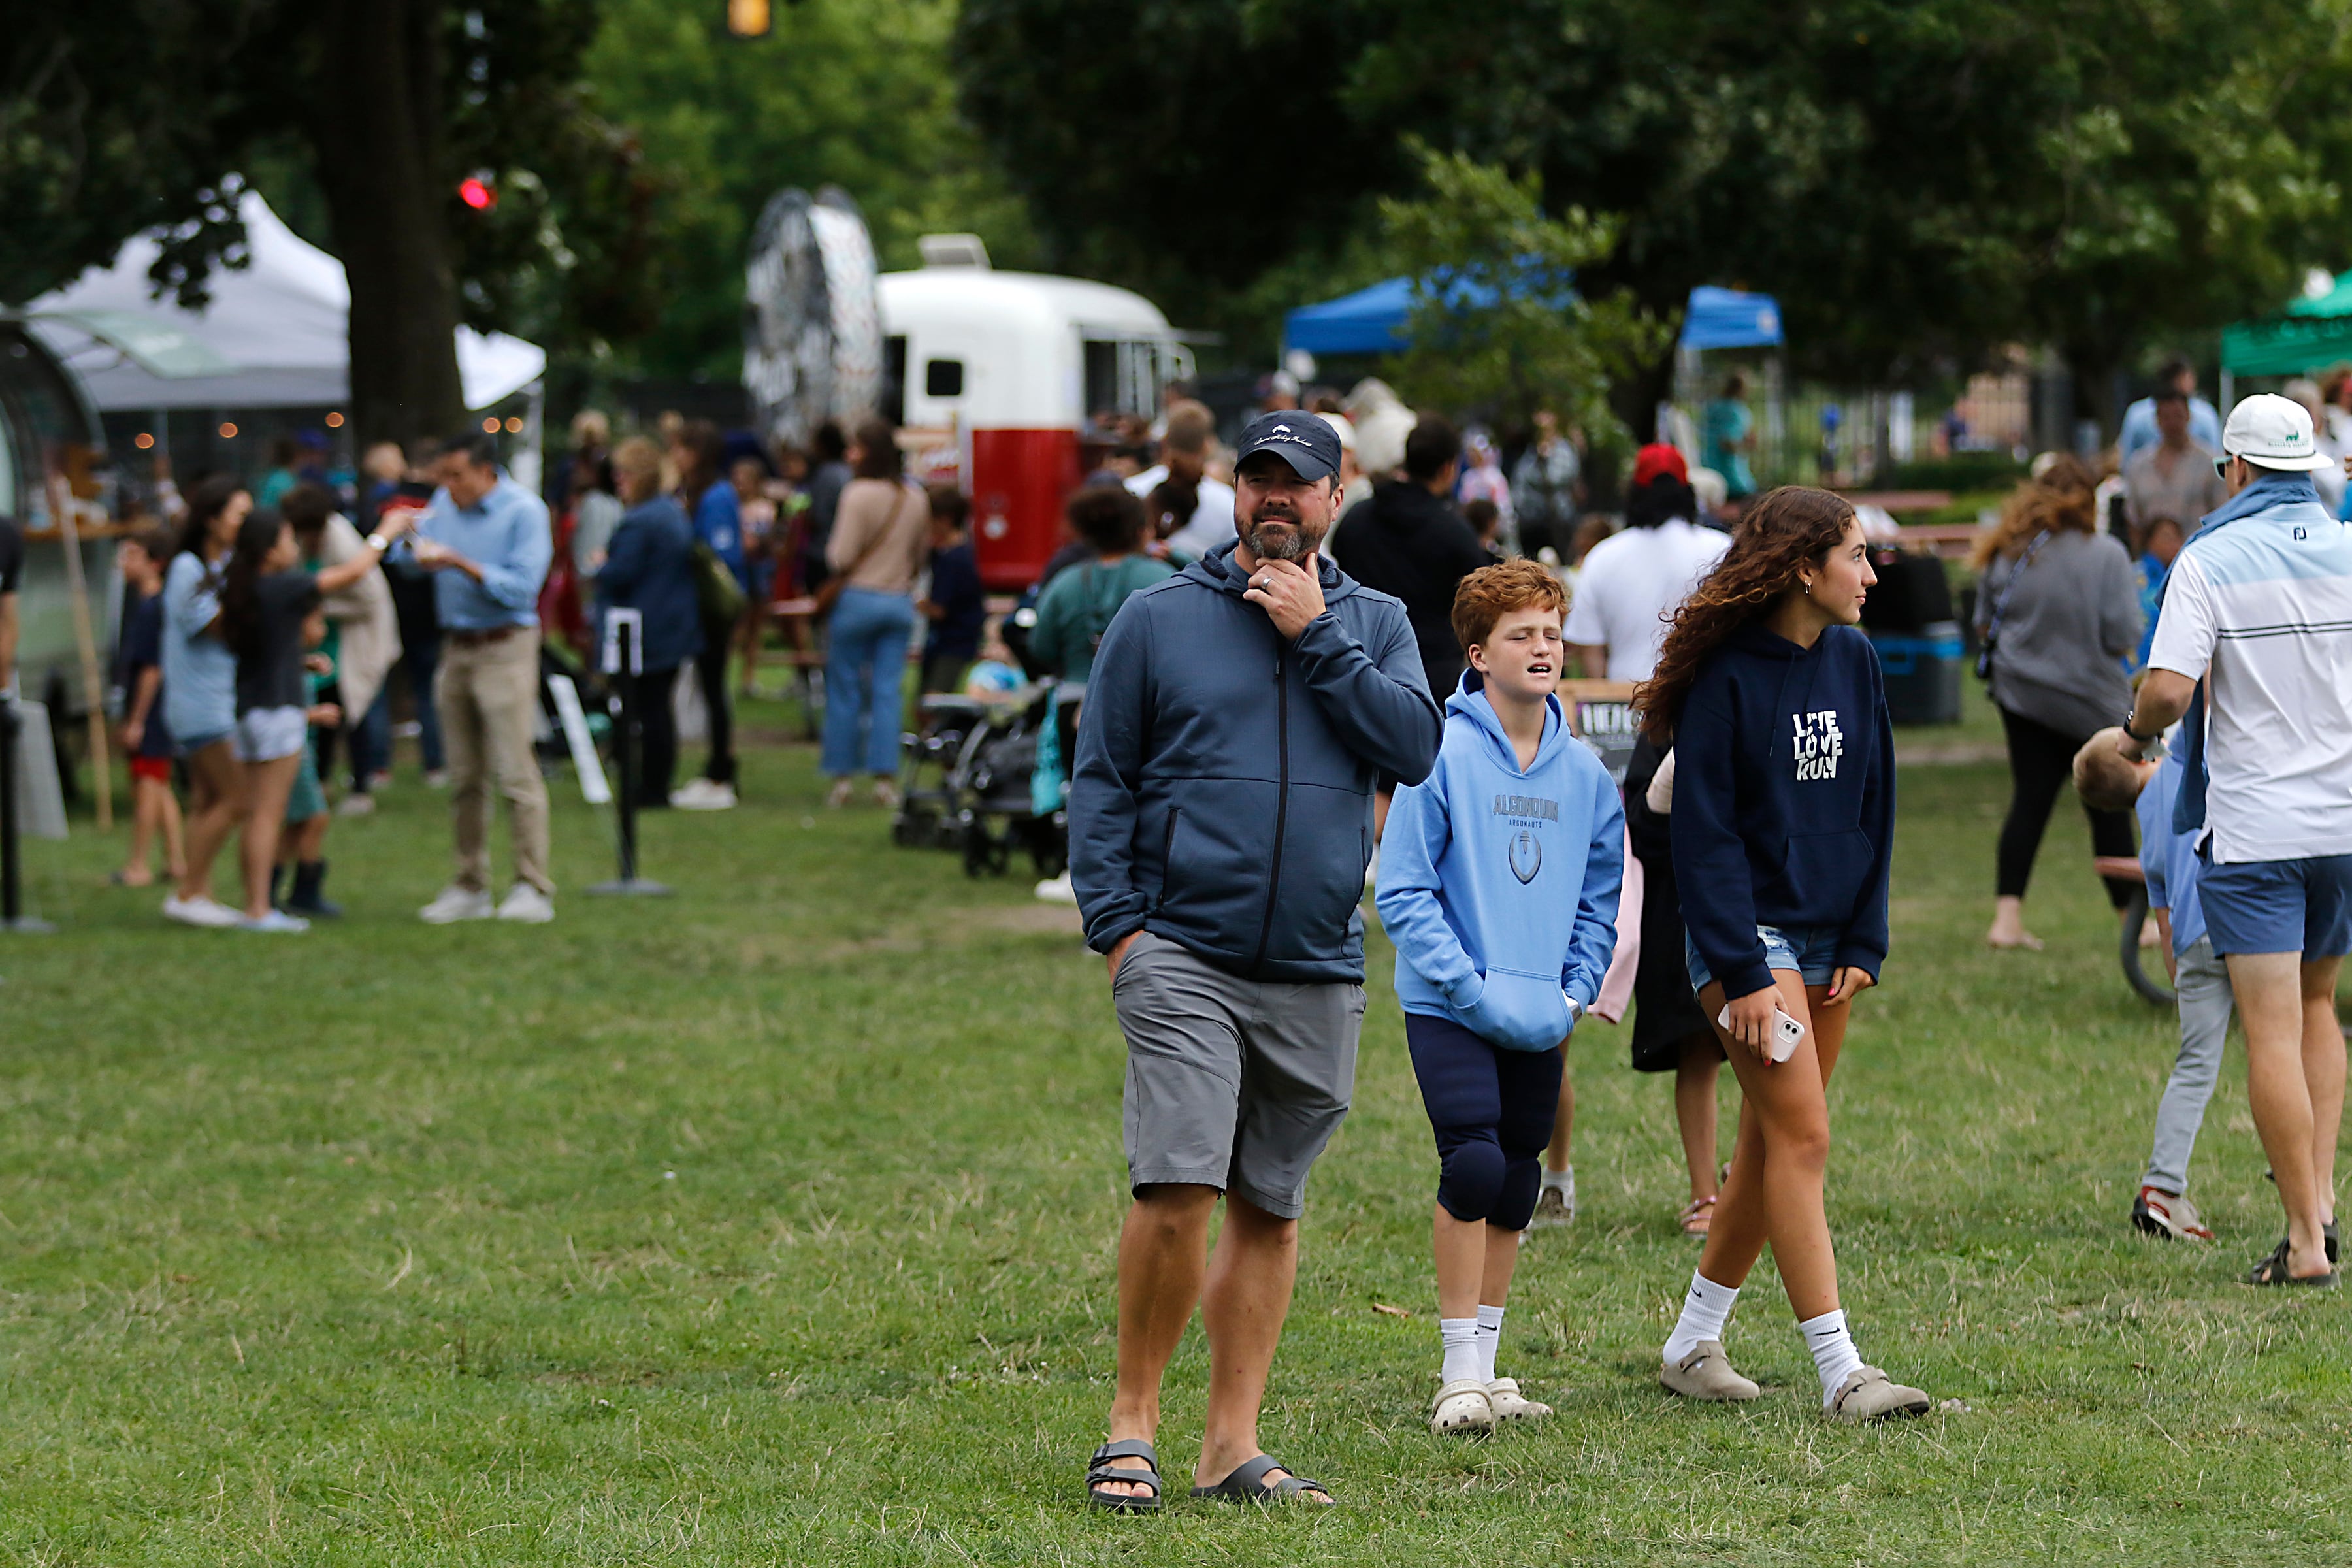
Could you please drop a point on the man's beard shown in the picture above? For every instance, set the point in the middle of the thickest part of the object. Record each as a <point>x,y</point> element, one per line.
<point>1294,542</point>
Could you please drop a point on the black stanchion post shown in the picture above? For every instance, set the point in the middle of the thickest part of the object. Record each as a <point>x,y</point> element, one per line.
<point>13,917</point>
<point>624,661</point>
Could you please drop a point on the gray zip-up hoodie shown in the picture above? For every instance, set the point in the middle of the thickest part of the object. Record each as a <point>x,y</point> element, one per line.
<point>1223,793</point>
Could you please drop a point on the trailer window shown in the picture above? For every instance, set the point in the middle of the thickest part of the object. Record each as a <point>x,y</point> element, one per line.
<point>943,378</point>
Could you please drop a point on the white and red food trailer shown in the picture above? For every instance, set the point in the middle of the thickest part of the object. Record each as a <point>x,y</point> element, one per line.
<point>1009,368</point>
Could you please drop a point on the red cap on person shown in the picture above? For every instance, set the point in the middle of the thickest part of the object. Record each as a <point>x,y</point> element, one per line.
<point>1659,458</point>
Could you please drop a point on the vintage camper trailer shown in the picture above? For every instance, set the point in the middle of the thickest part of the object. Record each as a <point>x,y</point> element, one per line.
<point>1011,366</point>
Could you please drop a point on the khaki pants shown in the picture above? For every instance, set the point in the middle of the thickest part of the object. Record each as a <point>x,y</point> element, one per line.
<point>488,699</point>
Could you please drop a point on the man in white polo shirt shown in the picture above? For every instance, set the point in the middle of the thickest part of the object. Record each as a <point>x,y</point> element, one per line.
<point>2254,645</point>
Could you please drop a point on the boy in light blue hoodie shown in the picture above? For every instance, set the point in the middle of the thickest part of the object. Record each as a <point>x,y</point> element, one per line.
<point>1499,885</point>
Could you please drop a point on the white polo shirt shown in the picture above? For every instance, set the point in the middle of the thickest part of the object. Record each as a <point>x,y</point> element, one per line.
<point>1630,582</point>
<point>2262,610</point>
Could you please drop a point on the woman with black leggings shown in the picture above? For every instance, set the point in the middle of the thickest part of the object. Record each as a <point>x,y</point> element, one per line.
<point>2057,610</point>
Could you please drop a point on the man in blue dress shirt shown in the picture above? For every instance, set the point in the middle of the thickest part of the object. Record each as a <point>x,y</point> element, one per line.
<point>486,541</point>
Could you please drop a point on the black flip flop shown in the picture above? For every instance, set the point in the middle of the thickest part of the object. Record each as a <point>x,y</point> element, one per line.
<point>1099,1471</point>
<point>2272,1270</point>
<point>1247,1482</point>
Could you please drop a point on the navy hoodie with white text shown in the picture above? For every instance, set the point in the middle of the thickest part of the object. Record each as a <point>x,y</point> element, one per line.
<point>1784,801</point>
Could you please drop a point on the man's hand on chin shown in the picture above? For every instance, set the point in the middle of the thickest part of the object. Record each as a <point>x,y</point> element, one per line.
<point>1291,594</point>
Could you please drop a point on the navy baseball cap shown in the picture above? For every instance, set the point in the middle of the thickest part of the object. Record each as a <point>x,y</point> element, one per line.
<point>1305,441</point>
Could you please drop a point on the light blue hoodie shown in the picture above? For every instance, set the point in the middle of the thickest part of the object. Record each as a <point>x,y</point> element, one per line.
<point>1499,885</point>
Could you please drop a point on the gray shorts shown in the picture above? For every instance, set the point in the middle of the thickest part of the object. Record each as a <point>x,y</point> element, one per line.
<point>1233,1084</point>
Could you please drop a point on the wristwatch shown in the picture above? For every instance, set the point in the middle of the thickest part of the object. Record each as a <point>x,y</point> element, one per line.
<point>378,542</point>
<point>2130,714</point>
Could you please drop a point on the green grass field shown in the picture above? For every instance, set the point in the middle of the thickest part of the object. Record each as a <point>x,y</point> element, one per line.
<point>774,1223</point>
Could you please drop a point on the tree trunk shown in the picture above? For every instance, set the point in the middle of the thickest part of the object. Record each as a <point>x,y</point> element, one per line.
<point>376,136</point>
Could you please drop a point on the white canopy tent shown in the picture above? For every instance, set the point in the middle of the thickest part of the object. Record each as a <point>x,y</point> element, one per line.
<point>281,323</point>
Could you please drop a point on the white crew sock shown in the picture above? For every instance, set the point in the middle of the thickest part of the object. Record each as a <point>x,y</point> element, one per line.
<point>1705,1312</point>
<point>1834,1356</point>
<point>1490,1335</point>
<point>1460,1338</point>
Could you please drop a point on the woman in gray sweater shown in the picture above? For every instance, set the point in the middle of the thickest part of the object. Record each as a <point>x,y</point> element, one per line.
<point>2057,604</point>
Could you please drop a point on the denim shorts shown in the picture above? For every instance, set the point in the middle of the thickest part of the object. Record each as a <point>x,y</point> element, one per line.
<point>1810,951</point>
<point>267,734</point>
<point>2279,906</point>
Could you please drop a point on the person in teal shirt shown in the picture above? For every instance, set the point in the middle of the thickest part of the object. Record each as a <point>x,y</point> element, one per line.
<point>1726,434</point>
<point>1077,606</point>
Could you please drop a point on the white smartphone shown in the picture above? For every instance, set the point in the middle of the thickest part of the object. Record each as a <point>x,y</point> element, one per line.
<point>1787,1033</point>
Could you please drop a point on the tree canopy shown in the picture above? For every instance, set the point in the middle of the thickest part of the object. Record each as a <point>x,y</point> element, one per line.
<point>1915,179</point>
<point>856,93</point>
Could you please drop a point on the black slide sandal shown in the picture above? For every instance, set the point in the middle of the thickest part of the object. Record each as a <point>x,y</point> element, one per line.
<point>1100,1471</point>
<point>1247,1483</point>
<point>2272,1270</point>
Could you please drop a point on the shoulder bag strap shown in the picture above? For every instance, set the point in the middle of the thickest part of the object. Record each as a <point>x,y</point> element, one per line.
<point>2000,606</point>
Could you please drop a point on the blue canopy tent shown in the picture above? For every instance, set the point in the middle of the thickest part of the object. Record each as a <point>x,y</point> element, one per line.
<point>1372,320</point>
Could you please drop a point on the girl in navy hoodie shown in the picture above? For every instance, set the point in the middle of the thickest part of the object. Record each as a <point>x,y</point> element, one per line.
<point>1784,822</point>
<point>1498,884</point>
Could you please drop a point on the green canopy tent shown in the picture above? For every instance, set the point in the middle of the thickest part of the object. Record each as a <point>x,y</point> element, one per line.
<point>2310,334</point>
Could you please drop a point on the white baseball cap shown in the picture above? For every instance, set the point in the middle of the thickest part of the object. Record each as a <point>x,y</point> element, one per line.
<point>2273,431</point>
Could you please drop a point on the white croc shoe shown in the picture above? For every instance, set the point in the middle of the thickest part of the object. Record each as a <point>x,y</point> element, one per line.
<point>1462,1408</point>
<point>1511,1405</point>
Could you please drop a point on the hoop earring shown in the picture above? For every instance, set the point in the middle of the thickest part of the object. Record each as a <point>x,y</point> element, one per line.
<point>1808,588</point>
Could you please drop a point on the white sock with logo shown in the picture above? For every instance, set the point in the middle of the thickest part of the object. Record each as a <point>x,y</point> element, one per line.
<point>1705,1312</point>
<point>1459,1336</point>
<point>1490,1335</point>
<point>1834,1356</point>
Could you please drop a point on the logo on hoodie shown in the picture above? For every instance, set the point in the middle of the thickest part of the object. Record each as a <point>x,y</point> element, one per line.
<point>1526,855</point>
<point>1819,744</point>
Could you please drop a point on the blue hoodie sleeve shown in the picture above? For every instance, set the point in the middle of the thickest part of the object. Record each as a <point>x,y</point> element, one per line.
<point>1594,941</point>
<point>1111,735</point>
<point>1710,860</point>
<point>1865,944</point>
<point>1419,827</point>
<point>1377,698</point>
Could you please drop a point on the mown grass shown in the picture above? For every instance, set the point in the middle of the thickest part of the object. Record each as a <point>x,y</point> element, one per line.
<point>773,1224</point>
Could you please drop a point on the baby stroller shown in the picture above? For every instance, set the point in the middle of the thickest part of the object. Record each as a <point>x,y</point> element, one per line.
<point>987,803</point>
<point>932,757</point>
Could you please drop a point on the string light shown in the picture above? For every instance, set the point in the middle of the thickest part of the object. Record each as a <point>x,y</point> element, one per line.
<point>490,426</point>
<point>142,440</point>
<point>227,431</point>
<point>514,425</point>
<point>334,421</point>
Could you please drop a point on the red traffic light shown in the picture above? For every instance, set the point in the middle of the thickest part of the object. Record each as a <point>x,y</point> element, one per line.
<point>477,193</point>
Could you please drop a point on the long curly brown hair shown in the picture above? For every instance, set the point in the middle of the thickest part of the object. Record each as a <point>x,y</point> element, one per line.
<point>1782,530</point>
<point>2064,495</point>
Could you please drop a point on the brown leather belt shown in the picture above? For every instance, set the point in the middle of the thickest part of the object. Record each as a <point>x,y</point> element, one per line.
<point>464,638</point>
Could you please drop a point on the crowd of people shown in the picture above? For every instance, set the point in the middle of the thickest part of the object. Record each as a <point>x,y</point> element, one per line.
<point>1223,827</point>
<point>1324,667</point>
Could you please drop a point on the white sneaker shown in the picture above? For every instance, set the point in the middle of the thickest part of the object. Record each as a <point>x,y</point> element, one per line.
<point>527,904</point>
<point>276,920</point>
<point>356,806</point>
<point>210,913</point>
<point>1057,889</point>
<point>455,904</point>
<point>436,778</point>
<point>703,794</point>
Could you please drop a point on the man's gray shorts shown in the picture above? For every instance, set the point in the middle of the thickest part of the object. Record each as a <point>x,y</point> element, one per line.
<point>1233,1084</point>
